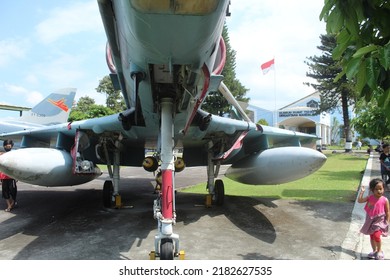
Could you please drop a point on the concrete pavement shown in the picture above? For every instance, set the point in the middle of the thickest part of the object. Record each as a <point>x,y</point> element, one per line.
<point>357,245</point>
<point>70,223</point>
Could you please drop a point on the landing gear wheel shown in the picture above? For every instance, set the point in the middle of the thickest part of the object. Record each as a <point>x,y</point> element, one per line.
<point>166,249</point>
<point>108,190</point>
<point>150,164</point>
<point>219,192</point>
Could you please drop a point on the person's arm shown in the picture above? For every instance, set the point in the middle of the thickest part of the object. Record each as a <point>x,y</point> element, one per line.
<point>386,162</point>
<point>385,165</point>
<point>382,160</point>
<point>362,199</point>
<point>387,211</point>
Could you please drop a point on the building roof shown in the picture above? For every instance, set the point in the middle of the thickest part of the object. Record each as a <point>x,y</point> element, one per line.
<point>314,94</point>
<point>298,108</point>
<point>13,108</point>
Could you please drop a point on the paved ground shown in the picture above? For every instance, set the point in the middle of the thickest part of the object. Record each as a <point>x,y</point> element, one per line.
<point>71,223</point>
<point>356,243</point>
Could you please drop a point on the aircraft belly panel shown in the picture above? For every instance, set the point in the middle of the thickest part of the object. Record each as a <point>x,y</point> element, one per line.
<point>197,40</point>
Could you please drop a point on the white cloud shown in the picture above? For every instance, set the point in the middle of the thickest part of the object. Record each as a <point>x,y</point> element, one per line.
<point>80,17</point>
<point>11,49</point>
<point>22,96</point>
<point>61,69</point>
<point>65,49</point>
<point>32,78</point>
<point>34,97</point>
<point>288,31</point>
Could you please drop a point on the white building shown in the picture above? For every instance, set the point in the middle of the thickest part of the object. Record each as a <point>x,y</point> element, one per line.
<point>299,116</point>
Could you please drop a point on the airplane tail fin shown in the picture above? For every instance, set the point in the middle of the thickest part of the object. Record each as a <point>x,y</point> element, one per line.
<point>54,109</point>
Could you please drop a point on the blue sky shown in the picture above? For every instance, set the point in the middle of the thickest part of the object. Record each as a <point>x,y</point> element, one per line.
<point>46,45</point>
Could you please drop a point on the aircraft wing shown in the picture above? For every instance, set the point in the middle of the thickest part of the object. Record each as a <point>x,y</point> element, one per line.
<point>233,141</point>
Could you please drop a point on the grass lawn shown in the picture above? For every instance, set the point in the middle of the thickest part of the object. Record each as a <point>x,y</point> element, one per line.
<point>336,181</point>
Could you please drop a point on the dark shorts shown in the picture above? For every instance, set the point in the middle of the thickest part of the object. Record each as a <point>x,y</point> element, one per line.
<point>8,186</point>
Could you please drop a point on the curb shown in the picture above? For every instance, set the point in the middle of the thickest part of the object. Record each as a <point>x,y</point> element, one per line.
<point>355,243</point>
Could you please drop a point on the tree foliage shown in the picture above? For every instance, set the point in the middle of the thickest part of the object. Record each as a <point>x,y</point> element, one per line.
<point>87,109</point>
<point>215,103</point>
<point>324,69</point>
<point>371,121</point>
<point>334,130</point>
<point>262,122</point>
<point>85,103</point>
<point>114,98</point>
<point>363,45</point>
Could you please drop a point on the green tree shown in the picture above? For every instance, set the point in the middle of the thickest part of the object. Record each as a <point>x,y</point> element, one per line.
<point>87,109</point>
<point>114,98</point>
<point>85,103</point>
<point>324,69</point>
<point>262,122</point>
<point>215,103</point>
<point>363,45</point>
<point>371,121</point>
<point>335,130</point>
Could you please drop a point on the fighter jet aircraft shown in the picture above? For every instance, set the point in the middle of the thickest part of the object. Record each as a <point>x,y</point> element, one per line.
<point>165,57</point>
<point>54,109</point>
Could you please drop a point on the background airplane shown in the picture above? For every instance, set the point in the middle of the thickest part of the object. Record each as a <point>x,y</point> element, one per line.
<point>165,57</point>
<point>54,109</point>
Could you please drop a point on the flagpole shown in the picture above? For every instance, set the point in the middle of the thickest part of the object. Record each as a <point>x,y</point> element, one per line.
<point>265,67</point>
<point>275,112</point>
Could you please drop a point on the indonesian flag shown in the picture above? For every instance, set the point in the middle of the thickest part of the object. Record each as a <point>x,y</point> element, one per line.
<point>265,67</point>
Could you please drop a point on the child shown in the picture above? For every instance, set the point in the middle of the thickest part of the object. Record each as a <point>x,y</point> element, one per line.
<point>385,163</point>
<point>8,185</point>
<point>377,217</point>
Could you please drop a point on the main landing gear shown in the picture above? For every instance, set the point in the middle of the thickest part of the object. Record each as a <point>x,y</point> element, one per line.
<point>215,187</point>
<point>111,197</point>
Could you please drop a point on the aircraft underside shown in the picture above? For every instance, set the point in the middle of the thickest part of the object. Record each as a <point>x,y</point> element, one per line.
<point>166,164</point>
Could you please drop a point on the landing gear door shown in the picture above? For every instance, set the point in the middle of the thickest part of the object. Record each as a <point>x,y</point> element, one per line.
<point>80,165</point>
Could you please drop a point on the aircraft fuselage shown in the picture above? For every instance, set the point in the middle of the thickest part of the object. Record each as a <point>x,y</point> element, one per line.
<point>170,45</point>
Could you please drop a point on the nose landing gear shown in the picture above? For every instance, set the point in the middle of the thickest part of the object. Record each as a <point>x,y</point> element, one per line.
<point>166,242</point>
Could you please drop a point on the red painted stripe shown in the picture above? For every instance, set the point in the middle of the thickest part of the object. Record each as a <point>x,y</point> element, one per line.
<point>167,193</point>
<point>206,84</point>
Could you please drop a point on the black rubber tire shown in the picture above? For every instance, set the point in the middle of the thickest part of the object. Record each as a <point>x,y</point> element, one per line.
<point>108,190</point>
<point>166,249</point>
<point>219,192</point>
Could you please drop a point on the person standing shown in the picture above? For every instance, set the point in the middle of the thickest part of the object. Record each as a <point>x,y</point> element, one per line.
<point>358,145</point>
<point>377,216</point>
<point>8,184</point>
<point>384,159</point>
